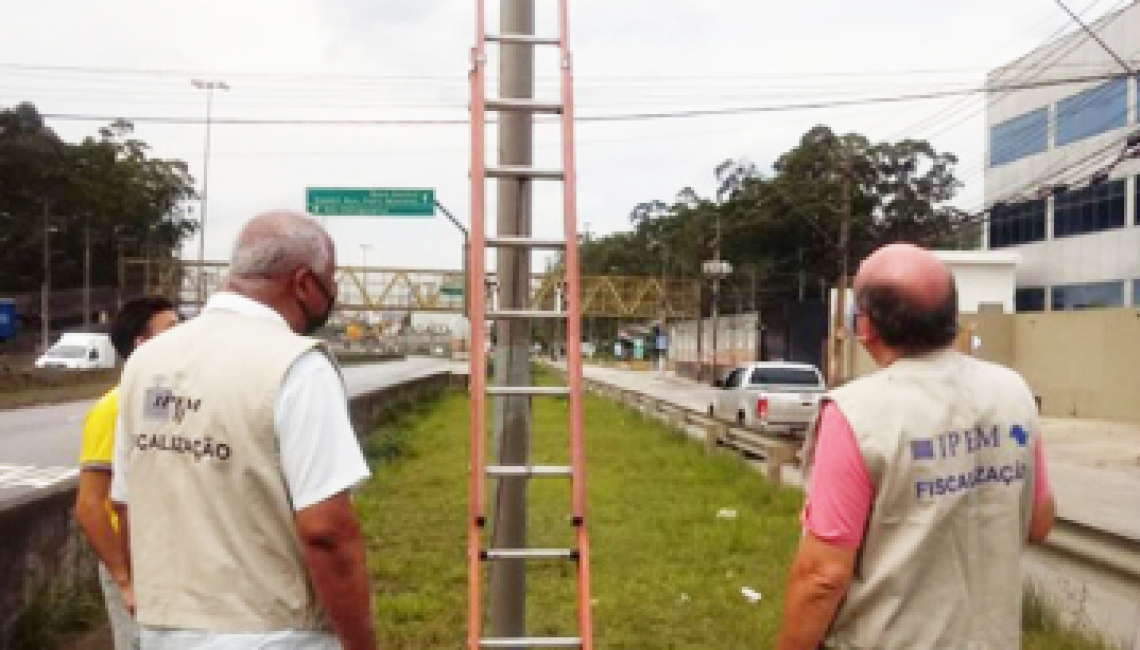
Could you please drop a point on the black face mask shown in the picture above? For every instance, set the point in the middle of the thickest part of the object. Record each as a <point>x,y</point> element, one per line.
<point>314,322</point>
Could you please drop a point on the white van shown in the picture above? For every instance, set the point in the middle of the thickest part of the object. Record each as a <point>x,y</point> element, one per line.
<point>79,351</point>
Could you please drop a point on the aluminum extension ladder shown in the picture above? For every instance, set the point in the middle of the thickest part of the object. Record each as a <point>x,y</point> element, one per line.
<point>479,315</point>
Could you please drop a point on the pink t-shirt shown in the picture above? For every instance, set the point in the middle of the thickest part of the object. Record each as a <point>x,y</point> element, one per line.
<point>840,494</point>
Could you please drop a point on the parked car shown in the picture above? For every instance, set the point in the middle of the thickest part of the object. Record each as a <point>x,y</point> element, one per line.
<point>776,396</point>
<point>79,351</point>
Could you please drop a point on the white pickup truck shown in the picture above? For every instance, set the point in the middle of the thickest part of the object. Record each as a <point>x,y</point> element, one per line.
<point>776,396</point>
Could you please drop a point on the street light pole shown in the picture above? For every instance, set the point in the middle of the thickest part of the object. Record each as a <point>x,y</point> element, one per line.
<point>209,86</point>
<point>45,290</point>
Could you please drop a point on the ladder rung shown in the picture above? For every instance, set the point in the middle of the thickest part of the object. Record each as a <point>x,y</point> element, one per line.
<point>529,390</point>
<point>504,314</point>
<point>529,470</point>
<point>520,171</point>
<point>522,106</point>
<point>530,554</point>
<point>533,642</point>
<point>523,39</point>
<point>525,242</point>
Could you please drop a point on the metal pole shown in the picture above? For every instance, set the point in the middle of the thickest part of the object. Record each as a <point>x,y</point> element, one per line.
<point>716,303</point>
<point>87,274</point>
<point>121,273</point>
<point>507,593</point>
<point>664,306</point>
<point>45,289</point>
<point>838,335</point>
<point>466,252</point>
<point>209,87</point>
<point>716,321</point>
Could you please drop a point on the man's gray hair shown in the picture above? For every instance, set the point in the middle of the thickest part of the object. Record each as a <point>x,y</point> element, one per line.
<point>275,244</point>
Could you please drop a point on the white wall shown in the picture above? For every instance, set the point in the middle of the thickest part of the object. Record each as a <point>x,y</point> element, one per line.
<point>983,277</point>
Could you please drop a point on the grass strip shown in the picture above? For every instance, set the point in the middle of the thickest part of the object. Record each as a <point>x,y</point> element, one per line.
<point>667,570</point>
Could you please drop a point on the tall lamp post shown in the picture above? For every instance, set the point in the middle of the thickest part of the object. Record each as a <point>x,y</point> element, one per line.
<point>209,85</point>
<point>717,270</point>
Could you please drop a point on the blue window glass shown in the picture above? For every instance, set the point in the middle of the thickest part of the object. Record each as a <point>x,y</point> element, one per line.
<point>1094,111</point>
<point>1019,137</point>
<point>1136,293</point>
<point>1029,299</point>
<point>1069,297</point>
<point>1012,224</point>
<point>1089,209</point>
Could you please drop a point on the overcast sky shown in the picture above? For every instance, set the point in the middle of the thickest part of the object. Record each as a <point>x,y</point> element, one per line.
<point>394,60</point>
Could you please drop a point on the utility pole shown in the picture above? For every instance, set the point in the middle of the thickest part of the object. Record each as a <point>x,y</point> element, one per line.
<point>87,273</point>
<point>716,301</point>
<point>507,597</point>
<point>839,337</point>
<point>717,269</point>
<point>45,288</point>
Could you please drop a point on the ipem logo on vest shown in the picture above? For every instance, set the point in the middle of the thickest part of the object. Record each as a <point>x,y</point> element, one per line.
<point>161,405</point>
<point>955,446</point>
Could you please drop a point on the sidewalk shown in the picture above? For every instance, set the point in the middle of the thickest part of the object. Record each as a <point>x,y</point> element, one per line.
<point>1094,466</point>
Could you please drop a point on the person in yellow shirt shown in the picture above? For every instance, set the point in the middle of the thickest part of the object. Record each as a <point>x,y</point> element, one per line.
<point>138,320</point>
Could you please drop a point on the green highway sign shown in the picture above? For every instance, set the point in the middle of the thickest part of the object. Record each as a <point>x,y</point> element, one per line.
<point>365,202</point>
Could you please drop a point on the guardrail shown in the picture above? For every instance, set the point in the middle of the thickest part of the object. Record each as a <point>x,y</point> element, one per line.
<point>1099,551</point>
<point>776,452</point>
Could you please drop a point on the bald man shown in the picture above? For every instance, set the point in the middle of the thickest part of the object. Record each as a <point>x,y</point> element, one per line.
<point>926,482</point>
<point>234,461</point>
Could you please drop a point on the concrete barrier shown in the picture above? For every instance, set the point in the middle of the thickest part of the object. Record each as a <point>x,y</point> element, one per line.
<point>40,550</point>
<point>41,547</point>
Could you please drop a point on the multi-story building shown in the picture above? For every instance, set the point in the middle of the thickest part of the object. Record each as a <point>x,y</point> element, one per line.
<point>1056,120</point>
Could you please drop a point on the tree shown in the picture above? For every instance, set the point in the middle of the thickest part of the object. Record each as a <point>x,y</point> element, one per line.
<point>784,227</point>
<point>106,186</point>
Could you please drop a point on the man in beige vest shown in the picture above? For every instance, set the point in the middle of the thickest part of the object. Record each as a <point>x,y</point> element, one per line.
<point>926,480</point>
<point>234,459</point>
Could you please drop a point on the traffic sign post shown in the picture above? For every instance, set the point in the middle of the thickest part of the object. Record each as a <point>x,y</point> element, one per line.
<point>370,202</point>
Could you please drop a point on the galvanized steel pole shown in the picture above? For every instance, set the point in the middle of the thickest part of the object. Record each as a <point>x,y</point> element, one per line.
<point>512,355</point>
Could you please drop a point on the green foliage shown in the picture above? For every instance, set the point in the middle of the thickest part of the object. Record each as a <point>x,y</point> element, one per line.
<point>106,185</point>
<point>784,226</point>
<point>1045,628</point>
<point>56,611</point>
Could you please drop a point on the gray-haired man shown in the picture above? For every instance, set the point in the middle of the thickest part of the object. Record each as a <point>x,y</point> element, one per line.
<point>236,432</point>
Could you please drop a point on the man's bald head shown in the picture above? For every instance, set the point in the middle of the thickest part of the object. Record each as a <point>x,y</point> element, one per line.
<point>274,244</point>
<point>910,297</point>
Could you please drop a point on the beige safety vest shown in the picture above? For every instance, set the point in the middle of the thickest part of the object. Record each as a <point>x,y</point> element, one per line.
<point>948,443</point>
<point>213,543</point>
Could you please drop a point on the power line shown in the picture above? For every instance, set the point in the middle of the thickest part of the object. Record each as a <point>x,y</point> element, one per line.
<point>621,117</point>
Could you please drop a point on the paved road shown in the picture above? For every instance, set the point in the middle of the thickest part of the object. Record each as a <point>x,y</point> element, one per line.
<point>40,445</point>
